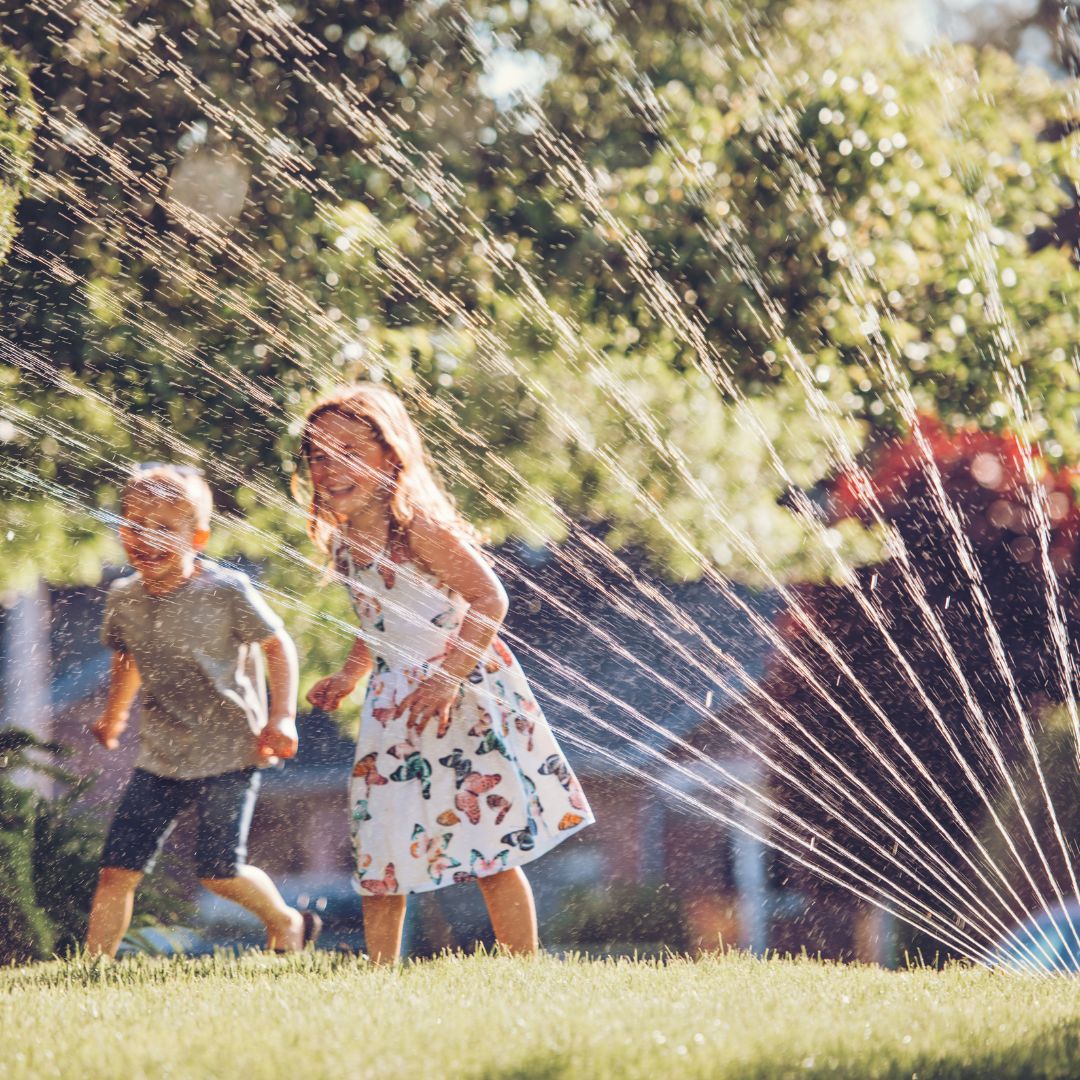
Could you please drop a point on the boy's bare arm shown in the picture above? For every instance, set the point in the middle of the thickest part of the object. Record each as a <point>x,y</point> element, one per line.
<point>124,682</point>
<point>278,738</point>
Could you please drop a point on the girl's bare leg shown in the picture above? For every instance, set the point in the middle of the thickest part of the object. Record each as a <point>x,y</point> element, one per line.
<point>510,906</point>
<point>384,920</point>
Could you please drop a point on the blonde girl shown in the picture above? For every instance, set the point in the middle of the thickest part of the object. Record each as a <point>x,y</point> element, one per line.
<point>458,776</point>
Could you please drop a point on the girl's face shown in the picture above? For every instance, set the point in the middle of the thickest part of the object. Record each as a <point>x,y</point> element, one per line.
<point>350,467</point>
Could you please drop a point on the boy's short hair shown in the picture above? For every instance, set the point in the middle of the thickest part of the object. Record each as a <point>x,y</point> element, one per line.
<point>179,485</point>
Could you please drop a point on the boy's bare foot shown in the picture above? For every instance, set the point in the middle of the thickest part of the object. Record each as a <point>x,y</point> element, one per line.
<point>288,934</point>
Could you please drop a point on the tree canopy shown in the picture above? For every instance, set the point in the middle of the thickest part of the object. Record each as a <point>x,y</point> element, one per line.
<point>18,118</point>
<point>695,227</point>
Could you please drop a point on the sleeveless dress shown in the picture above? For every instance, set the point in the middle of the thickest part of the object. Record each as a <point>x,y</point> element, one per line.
<point>489,792</point>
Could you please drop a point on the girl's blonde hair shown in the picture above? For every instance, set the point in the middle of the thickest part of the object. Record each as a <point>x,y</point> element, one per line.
<point>416,486</point>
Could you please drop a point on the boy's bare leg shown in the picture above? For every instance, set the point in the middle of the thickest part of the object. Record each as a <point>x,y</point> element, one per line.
<point>110,914</point>
<point>510,906</point>
<point>384,921</point>
<point>252,889</point>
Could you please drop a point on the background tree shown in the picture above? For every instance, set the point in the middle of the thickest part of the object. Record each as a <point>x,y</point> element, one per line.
<point>796,196</point>
<point>1045,32</point>
<point>18,118</point>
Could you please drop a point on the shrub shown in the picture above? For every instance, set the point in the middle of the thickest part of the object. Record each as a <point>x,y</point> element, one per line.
<point>49,853</point>
<point>620,915</point>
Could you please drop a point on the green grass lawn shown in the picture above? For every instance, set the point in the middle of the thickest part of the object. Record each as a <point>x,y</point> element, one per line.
<point>321,1015</point>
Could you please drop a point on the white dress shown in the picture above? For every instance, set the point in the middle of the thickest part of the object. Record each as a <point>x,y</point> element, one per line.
<point>491,791</point>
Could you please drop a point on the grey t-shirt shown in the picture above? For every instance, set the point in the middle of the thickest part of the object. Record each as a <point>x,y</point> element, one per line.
<point>203,696</point>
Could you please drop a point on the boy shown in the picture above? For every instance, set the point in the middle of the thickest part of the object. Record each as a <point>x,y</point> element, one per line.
<point>188,633</point>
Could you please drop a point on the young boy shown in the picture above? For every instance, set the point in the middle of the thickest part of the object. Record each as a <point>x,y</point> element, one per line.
<point>188,633</point>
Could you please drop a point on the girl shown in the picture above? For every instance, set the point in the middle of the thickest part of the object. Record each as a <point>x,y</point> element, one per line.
<point>457,775</point>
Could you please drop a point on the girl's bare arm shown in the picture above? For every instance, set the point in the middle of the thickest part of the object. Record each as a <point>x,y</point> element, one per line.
<point>358,663</point>
<point>460,566</point>
<point>330,692</point>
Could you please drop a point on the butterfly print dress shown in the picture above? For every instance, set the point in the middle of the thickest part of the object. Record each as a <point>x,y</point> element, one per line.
<point>489,792</point>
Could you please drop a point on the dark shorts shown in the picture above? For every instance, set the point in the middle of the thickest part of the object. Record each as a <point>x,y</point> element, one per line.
<point>151,804</point>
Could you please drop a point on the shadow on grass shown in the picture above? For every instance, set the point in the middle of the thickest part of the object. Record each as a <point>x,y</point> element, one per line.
<point>542,1067</point>
<point>1044,1056</point>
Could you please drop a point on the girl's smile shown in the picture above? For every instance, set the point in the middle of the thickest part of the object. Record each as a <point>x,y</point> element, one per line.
<point>350,467</point>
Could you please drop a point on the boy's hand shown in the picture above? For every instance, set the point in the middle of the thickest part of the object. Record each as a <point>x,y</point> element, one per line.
<point>278,739</point>
<point>327,694</point>
<point>108,729</point>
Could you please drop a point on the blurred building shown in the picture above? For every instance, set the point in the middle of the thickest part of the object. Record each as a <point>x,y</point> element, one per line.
<point>655,869</point>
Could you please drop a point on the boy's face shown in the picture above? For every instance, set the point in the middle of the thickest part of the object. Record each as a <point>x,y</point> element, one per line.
<point>160,538</point>
<point>349,466</point>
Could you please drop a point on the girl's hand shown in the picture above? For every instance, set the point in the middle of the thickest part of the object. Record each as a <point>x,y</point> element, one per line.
<point>432,699</point>
<point>327,694</point>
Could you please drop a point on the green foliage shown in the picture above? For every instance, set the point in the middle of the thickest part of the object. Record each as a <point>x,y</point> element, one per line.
<point>785,192</point>
<point>29,933</point>
<point>34,844</point>
<point>18,118</point>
